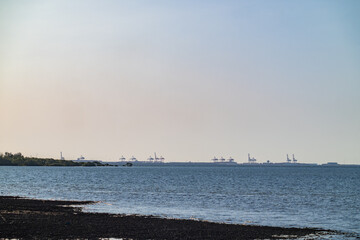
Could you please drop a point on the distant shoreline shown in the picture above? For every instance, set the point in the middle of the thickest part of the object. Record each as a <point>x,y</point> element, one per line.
<point>34,218</point>
<point>17,159</point>
<point>178,164</point>
<point>233,164</point>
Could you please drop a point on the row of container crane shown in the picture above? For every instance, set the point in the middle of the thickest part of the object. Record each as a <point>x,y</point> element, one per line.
<point>215,160</point>
<point>154,159</point>
<point>252,160</point>
<point>288,160</point>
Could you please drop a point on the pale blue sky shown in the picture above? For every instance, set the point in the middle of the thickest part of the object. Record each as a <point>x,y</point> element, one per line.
<point>187,79</point>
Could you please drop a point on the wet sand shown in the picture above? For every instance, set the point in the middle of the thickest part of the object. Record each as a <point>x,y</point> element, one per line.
<point>44,219</point>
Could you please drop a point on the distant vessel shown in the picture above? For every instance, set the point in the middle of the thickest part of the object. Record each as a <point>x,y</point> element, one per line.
<point>331,164</point>
<point>128,164</point>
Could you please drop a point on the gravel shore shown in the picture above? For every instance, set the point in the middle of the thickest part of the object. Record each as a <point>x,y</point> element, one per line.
<point>24,218</point>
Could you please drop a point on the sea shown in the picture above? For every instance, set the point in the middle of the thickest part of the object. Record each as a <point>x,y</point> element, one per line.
<point>316,196</point>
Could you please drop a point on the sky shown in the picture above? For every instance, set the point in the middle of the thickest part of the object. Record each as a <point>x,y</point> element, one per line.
<point>188,80</point>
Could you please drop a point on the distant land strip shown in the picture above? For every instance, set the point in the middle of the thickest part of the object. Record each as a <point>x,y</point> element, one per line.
<point>17,159</point>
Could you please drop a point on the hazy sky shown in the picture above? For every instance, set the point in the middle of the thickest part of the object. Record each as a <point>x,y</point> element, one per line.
<point>189,80</point>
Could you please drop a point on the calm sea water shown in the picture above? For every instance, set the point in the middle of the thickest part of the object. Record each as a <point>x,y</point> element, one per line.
<point>321,197</point>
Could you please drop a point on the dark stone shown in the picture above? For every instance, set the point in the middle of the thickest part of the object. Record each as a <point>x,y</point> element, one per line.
<point>43,219</point>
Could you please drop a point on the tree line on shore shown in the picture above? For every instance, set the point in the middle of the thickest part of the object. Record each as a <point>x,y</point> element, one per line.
<point>17,159</point>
